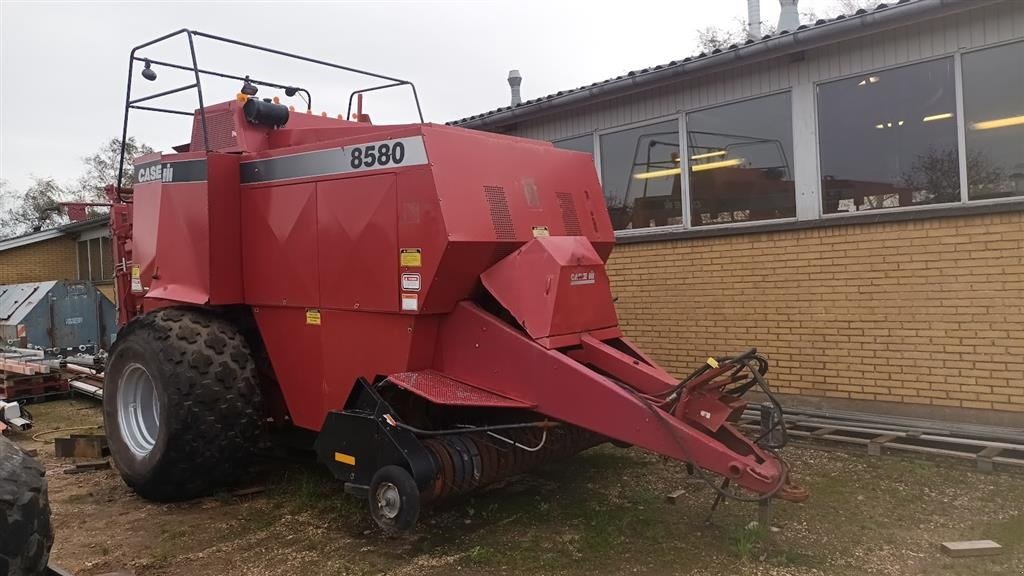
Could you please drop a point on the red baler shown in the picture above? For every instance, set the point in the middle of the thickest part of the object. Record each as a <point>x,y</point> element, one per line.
<point>431,302</point>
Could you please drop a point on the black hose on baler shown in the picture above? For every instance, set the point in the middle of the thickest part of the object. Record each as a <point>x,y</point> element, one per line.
<point>662,417</point>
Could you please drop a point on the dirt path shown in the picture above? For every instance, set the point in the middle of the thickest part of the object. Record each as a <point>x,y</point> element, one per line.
<point>602,512</point>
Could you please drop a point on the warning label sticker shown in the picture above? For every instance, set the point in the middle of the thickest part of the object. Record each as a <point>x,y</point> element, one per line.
<point>136,287</point>
<point>411,282</point>
<point>313,316</point>
<point>410,302</point>
<point>541,232</point>
<point>410,257</point>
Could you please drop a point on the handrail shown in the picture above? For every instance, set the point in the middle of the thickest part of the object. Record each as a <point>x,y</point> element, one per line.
<point>198,72</point>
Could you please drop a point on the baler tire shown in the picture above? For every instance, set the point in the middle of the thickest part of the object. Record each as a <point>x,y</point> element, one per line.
<point>26,533</point>
<point>208,413</point>
<point>408,494</point>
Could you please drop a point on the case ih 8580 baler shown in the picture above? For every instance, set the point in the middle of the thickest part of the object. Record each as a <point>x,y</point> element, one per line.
<point>431,302</point>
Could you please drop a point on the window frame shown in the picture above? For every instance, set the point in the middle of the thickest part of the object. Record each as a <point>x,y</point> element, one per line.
<point>814,188</point>
<point>962,127</point>
<point>630,126</point>
<point>961,157</point>
<point>686,154</point>
<point>86,238</point>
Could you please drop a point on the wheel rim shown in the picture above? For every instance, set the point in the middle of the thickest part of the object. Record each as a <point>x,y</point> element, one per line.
<point>138,409</point>
<point>389,502</point>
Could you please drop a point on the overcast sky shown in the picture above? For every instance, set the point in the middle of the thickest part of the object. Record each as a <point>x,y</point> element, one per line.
<point>63,65</point>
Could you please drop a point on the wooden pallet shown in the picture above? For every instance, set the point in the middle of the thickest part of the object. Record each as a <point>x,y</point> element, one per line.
<point>879,440</point>
<point>22,387</point>
<point>17,365</point>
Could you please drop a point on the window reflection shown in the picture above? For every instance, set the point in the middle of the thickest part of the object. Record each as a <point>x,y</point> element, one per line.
<point>994,114</point>
<point>741,166</point>
<point>640,176</point>
<point>889,139</point>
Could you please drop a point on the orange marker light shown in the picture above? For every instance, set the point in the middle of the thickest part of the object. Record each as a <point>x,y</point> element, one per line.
<point>241,97</point>
<point>277,100</point>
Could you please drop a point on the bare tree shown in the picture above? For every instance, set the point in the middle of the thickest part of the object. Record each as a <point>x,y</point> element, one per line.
<point>837,7</point>
<point>38,207</point>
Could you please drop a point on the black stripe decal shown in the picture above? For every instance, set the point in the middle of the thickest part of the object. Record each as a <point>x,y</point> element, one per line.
<point>171,172</point>
<point>317,163</point>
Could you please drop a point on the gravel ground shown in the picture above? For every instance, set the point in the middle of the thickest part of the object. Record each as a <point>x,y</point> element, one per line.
<point>603,512</point>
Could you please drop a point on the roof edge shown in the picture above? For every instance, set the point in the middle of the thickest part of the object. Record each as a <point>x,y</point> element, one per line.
<point>807,36</point>
<point>51,233</point>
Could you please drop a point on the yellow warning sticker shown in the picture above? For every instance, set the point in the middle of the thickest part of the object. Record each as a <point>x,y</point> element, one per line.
<point>136,283</point>
<point>411,257</point>
<point>345,458</point>
<point>712,362</point>
<point>541,232</point>
<point>313,316</point>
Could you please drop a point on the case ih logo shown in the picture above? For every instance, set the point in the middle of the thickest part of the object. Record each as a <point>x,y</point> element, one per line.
<point>162,172</point>
<point>580,278</point>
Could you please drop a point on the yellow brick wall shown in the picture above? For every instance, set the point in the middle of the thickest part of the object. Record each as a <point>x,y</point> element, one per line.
<point>921,312</point>
<point>53,259</point>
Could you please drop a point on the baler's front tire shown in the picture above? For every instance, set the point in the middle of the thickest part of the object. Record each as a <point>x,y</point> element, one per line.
<point>181,404</point>
<point>25,530</point>
<point>394,500</point>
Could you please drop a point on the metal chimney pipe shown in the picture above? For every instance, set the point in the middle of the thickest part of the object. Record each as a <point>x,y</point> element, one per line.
<point>754,19</point>
<point>514,80</point>
<point>789,17</point>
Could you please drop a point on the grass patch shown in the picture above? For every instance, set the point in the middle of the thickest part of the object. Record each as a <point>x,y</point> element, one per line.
<point>1009,533</point>
<point>747,542</point>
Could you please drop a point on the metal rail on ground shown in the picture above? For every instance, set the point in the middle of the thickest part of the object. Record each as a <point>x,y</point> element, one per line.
<point>988,446</point>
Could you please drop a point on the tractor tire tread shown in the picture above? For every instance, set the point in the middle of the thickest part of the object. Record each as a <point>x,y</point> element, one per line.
<point>26,533</point>
<point>215,398</point>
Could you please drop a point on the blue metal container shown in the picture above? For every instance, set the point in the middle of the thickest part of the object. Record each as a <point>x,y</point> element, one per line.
<point>56,314</point>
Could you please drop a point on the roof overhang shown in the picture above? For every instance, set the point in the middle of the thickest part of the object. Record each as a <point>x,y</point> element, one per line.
<point>50,234</point>
<point>806,37</point>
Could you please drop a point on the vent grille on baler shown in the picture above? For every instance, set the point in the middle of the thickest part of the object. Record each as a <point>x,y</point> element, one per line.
<point>570,218</point>
<point>221,128</point>
<point>501,217</point>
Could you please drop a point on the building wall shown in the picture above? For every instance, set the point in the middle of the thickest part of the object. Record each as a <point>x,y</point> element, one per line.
<point>54,259</point>
<point>923,312</point>
<point>936,37</point>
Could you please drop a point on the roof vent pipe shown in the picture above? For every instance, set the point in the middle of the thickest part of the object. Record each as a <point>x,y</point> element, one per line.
<point>754,19</point>
<point>514,80</point>
<point>789,17</point>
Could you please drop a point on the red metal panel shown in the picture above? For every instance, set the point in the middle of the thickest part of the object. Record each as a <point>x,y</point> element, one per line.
<point>368,344</point>
<point>441,389</point>
<point>179,266</point>
<point>358,243</point>
<point>225,229</point>
<point>489,184</point>
<point>554,286</point>
<point>296,354</point>
<point>279,245</point>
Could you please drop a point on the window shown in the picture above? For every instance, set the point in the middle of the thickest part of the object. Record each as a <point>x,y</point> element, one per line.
<point>889,139</point>
<point>95,260</point>
<point>640,176</point>
<point>994,118</point>
<point>741,161</point>
<point>580,144</point>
